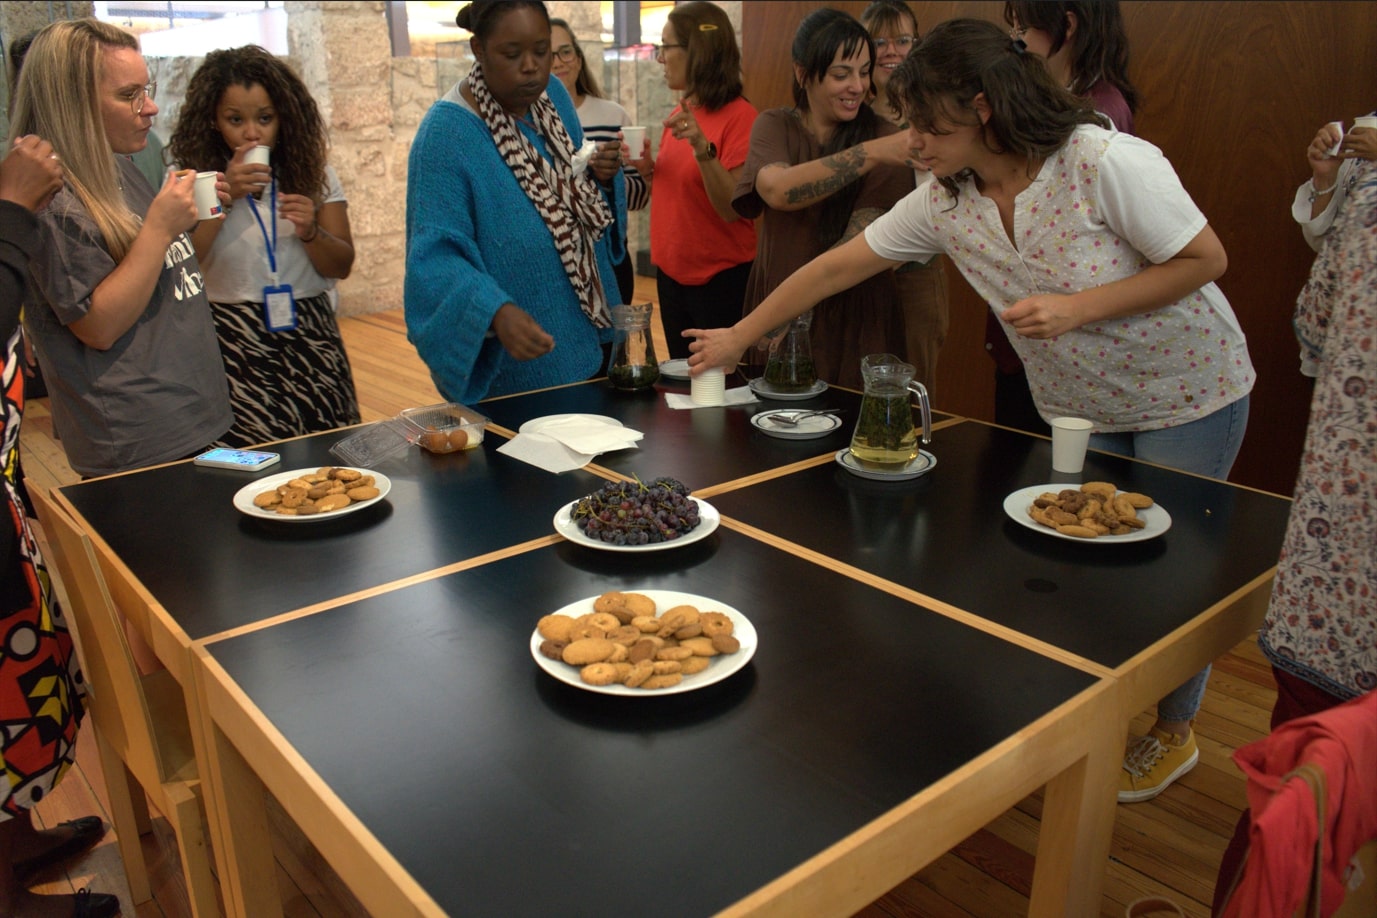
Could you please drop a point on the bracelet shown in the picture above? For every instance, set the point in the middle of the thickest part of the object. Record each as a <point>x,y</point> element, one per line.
<point>1320,192</point>
<point>315,231</point>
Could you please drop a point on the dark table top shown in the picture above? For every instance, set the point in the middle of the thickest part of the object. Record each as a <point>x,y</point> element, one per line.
<point>505,792</point>
<point>213,568</point>
<point>946,535</point>
<point>702,447</point>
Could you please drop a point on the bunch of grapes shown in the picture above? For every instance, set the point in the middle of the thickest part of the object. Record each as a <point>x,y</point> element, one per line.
<point>636,513</point>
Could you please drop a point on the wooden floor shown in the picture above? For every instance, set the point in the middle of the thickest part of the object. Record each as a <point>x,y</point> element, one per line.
<point>1169,846</point>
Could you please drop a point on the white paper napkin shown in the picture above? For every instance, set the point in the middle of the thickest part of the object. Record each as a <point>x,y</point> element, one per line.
<point>568,444</point>
<point>742,395</point>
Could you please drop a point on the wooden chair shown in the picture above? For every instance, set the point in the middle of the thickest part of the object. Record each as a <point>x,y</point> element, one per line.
<point>140,721</point>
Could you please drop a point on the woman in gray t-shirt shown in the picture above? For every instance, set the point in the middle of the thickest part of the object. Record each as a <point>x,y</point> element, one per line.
<point>119,321</point>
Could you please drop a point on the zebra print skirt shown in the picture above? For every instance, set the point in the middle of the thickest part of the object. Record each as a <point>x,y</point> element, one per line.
<point>288,383</point>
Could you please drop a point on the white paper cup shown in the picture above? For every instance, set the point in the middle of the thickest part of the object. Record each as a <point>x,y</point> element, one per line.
<point>207,200</point>
<point>1367,121</point>
<point>634,138</point>
<point>708,387</point>
<point>259,154</point>
<point>1334,150</point>
<point>1070,439</point>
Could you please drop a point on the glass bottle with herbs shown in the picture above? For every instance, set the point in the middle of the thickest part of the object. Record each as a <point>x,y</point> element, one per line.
<point>789,367</point>
<point>632,365</point>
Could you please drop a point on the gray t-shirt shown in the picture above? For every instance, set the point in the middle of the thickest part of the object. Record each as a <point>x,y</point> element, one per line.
<point>160,392</point>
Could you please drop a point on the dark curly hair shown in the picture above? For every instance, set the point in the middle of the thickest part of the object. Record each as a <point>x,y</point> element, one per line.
<point>302,145</point>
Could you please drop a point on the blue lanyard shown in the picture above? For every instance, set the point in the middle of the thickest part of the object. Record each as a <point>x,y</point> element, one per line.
<point>270,245</point>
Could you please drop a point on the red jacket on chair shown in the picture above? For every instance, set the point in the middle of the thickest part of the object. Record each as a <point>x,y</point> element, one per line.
<point>1342,743</point>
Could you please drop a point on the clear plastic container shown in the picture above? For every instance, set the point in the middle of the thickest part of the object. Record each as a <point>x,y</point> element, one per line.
<point>444,428</point>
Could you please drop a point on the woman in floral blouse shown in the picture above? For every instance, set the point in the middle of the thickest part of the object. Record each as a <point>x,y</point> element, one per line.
<point>1095,259</point>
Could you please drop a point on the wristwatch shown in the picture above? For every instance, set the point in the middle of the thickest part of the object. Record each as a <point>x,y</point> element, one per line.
<point>711,154</point>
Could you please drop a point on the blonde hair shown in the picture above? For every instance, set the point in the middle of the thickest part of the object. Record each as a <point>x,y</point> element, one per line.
<point>58,97</point>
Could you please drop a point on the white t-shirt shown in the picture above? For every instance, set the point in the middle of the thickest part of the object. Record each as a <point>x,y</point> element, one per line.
<point>236,267</point>
<point>1102,208</point>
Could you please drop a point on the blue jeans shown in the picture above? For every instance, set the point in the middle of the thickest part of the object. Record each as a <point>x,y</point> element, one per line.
<point>1205,447</point>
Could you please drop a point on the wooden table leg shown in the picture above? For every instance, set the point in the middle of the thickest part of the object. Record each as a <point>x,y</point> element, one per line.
<point>238,815</point>
<point>1078,822</point>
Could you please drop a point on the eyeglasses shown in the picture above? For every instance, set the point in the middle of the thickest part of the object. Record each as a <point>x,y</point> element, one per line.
<point>901,42</point>
<point>565,53</point>
<point>661,49</point>
<point>142,96</point>
<point>1017,33</point>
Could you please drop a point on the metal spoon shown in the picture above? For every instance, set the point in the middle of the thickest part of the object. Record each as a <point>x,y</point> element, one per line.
<point>791,420</point>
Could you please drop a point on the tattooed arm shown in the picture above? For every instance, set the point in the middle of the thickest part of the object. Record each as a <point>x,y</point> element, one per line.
<point>786,187</point>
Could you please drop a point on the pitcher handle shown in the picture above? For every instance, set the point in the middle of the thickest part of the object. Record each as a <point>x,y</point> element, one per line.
<point>921,391</point>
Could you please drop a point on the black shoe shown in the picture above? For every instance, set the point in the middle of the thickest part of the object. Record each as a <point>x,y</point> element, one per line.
<point>86,831</point>
<point>95,905</point>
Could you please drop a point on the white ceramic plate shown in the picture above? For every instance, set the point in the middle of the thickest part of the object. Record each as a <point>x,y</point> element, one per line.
<point>721,667</point>
<point>819,425</point>
<point>1155,519</point>
<point>243,498</point>
<point>534,425</point>
<point>675,369</point>
<point>925,463</point>
<point>763,389</point>
<point>708,520</point>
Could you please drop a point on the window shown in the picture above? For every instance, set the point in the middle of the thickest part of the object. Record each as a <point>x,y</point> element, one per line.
<point>191,29</point>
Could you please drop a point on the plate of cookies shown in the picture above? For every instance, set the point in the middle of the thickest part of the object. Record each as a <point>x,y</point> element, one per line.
<point>1096,511</point>
<point>312,495</point>
<point>642,644</point>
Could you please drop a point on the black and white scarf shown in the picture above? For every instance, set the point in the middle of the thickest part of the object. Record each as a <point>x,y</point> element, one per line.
<point>571,205</point>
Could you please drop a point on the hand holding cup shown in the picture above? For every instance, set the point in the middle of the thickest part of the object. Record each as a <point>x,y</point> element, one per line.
<point>246,174</point>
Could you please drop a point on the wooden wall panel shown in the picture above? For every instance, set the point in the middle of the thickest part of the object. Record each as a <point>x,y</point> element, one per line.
<point>1232,93</point>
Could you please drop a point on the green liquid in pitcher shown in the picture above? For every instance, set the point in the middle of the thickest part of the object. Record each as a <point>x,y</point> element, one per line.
<point>885,435</point>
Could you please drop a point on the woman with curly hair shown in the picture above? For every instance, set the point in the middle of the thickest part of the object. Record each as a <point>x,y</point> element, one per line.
<point>271,263</point>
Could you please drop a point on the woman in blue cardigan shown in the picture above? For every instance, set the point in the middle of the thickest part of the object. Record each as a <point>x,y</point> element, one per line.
<point>510,220</point>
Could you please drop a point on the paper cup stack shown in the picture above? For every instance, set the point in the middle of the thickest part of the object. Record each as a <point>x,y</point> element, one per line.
<point>708,387</point>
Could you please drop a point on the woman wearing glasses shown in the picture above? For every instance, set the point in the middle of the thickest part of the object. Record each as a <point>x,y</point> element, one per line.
<point>510,220</point>
<point>702,249</point>
<point>118,316</point>
<point>602,121</point>
<point>286,226</point>
<point>922,287</point>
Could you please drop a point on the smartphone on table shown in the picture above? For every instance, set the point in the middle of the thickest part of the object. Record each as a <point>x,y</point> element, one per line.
<point>244,460</point>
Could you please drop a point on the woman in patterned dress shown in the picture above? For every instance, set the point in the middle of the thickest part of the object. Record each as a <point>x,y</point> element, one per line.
<point>1096,260</point>
<point>287,225</point>
<point>40,680</point>
<point>1320,631</point>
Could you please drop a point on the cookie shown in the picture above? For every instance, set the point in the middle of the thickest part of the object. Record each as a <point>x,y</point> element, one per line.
<point>598,674</point>
<point>716,623</point>
<point>663,680</point>
<point>588,650</point>
<point>555,627</point>
<point>694,665</point>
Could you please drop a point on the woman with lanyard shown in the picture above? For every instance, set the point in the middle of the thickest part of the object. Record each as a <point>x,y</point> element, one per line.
<point>271,263</point>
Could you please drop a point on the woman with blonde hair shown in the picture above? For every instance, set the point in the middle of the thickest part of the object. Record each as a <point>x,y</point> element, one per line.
<point>118,317</point>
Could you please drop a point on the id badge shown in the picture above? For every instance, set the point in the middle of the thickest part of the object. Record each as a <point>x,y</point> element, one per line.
<point>279,309</point>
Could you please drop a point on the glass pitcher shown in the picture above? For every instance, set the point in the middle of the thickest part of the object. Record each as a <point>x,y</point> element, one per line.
<point>789,368</point>
<point>632,365</point>
<point>885,437</point>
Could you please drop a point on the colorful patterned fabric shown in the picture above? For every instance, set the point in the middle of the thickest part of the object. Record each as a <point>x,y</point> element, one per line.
<point>1322,622</point>
<point>41,686</point>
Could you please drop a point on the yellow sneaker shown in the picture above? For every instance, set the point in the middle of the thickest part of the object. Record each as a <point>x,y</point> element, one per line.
<point>1154,761</point>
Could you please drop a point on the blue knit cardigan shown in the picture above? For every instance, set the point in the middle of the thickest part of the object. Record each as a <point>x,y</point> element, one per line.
<point>474,241</point>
